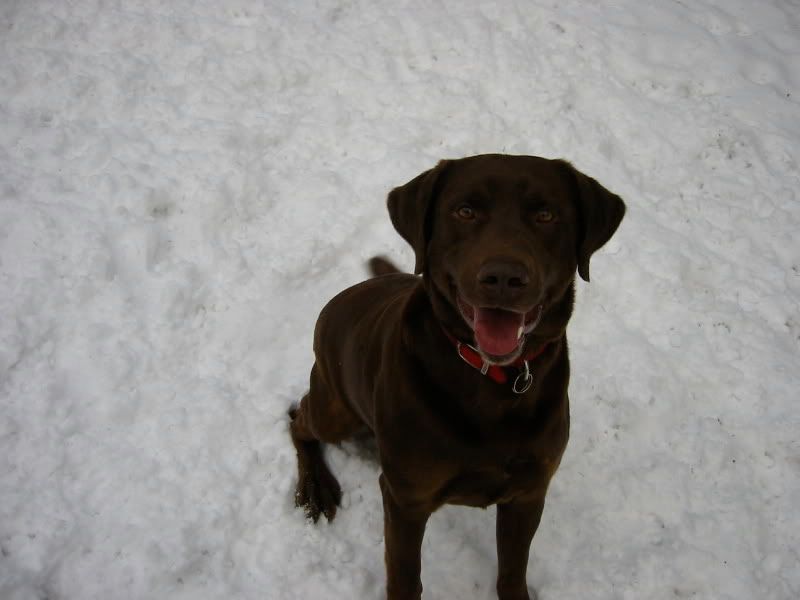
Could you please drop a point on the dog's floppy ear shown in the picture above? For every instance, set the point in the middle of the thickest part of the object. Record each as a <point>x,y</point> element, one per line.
<point>599,214</point>
<point>409,208</point>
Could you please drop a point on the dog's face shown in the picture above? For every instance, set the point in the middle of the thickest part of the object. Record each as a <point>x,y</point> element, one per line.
<point>499,238</point>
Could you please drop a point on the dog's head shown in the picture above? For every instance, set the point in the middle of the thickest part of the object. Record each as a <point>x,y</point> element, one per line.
<point>498,239</point>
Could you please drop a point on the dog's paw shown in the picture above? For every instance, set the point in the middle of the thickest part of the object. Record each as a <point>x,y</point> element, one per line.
<point>318,493</point>
<point>517,594</point>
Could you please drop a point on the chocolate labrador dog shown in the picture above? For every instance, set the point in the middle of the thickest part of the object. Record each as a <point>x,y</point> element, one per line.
<point>460,374</point>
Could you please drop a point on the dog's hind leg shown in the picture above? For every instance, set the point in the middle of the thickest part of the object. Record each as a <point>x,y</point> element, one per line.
<point>320,417</point>
<point>317,491</point>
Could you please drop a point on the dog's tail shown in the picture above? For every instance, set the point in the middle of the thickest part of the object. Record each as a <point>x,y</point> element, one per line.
<point>381,266</point>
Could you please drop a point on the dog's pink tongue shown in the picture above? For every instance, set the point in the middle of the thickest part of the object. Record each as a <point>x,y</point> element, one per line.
<point>497,331</point>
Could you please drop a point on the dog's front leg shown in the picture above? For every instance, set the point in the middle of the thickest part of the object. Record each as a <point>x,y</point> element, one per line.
<point>403,529</point>
<point>516,524</point>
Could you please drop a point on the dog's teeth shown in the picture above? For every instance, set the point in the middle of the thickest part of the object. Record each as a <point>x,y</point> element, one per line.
<point>520,331</point>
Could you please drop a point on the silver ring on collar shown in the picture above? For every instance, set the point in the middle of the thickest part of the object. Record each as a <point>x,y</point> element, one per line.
<point>524,380</point>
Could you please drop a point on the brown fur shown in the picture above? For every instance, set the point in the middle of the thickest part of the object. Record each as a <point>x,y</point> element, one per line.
<point>445,433</point>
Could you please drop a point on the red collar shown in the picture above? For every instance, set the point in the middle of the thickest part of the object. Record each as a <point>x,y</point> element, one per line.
<point>497,373</point>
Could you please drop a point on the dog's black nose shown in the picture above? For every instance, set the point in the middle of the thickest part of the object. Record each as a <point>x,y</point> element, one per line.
<point>503,276</point>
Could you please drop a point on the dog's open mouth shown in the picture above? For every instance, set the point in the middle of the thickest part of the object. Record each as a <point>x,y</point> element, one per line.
<point>498,332</point>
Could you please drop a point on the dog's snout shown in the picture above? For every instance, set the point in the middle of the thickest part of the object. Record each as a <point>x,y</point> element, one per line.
<point>503,276</point>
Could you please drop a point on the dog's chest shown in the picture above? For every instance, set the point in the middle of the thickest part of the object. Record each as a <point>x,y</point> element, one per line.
<point>495,479</point>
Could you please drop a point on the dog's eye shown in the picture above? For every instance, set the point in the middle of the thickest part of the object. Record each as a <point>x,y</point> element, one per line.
<point>544,216</point>
<point>465,212</point>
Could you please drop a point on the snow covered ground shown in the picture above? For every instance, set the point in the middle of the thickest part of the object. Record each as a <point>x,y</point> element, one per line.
<point>183,185</point>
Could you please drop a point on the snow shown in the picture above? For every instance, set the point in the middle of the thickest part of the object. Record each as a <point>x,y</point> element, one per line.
<point>183,185</point>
